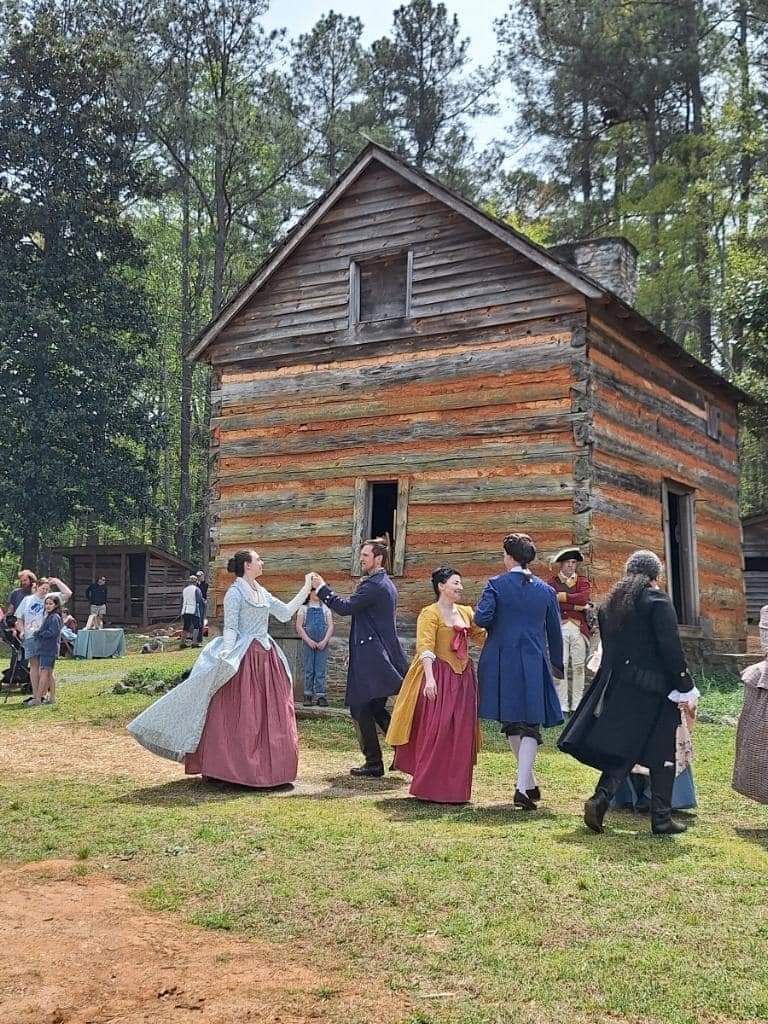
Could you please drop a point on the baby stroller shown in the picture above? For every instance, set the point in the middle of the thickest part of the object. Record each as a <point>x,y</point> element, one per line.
<point>16,676</point>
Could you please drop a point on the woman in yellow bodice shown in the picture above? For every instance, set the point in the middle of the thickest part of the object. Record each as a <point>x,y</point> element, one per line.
<point>434,721</point>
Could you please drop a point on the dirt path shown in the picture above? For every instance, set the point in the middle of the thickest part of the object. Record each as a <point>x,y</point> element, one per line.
<point>79,951</point>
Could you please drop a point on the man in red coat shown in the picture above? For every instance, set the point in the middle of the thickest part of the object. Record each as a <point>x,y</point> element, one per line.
<point>573,595</point>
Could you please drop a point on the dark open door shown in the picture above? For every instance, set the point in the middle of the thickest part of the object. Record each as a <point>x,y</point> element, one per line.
<point>137,567</point>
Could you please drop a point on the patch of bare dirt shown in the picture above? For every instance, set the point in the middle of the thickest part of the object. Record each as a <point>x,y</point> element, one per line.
<point>61,750</point>
<point>77,950</point>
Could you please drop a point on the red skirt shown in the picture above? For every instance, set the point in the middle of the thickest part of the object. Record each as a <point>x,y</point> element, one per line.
<point>250,735</point>
<point>441,753</point>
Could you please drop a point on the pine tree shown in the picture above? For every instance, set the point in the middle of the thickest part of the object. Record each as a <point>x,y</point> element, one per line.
<point>419,85</point>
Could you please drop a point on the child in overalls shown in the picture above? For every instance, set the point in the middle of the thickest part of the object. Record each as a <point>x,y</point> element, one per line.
<point>314,624</point>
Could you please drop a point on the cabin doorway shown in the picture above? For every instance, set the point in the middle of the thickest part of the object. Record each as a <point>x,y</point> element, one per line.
<point>137,574</point>
<point>680,540</point>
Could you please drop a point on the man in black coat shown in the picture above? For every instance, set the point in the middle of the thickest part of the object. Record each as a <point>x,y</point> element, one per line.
<point>630,713</point>
<point>377,662</point>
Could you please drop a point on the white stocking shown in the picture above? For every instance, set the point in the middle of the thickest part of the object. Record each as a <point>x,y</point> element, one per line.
<point>525,759</point>
<point>514,746</point>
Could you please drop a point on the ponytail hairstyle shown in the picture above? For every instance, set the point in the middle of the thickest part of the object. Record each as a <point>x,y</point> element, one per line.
<point>520,547</point>
<point>441,575</point>
<point>236,565</point>
<point>380,546</point>
<point>641,569</point>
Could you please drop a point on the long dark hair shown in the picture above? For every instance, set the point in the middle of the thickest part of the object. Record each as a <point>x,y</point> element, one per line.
<point>642,568</point>
<point>238,562</point>
<point>56,604</point>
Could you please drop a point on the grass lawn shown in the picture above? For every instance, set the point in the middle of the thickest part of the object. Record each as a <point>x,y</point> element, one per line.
<point>468,915</point>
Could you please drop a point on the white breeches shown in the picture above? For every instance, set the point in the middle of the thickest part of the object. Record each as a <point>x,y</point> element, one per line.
<point>575,650</point>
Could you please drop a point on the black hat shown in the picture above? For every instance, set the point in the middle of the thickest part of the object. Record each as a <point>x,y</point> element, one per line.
<point>566,553</point>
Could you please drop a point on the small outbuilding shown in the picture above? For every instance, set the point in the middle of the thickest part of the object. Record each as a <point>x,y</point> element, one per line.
<point>144,582</point>
<point>755,530</point>
<point>404,363</point>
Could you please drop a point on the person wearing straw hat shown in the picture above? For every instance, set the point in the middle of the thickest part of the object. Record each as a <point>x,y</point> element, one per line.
<point>573,596</point>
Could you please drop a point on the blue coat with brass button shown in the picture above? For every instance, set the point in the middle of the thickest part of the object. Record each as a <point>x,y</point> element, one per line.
<point>377,662</point>
<point>626,717</point>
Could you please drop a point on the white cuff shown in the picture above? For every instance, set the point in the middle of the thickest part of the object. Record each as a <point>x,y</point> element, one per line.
<point>428,656</point>
<point>689,697</point>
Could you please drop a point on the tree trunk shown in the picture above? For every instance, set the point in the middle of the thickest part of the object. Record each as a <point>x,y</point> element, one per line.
<point>30,552</point>
<point>703,311</point>
<point>184,517</point>
<point>585,169</point>
<point>745,163</point>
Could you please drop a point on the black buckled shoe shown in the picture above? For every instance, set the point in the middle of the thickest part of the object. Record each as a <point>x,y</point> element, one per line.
<point>368,771</point>
<point>524,801</point>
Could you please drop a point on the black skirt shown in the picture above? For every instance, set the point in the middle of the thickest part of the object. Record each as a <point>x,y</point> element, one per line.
<point>619,723</point>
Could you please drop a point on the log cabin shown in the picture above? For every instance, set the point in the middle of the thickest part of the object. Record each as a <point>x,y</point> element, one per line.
<point>404,363</point>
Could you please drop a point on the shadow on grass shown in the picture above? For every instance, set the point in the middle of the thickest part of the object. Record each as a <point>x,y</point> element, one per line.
<point>410,809</point>
<point>626,841</point>
<point>190,792</point>
<point>754,835</point>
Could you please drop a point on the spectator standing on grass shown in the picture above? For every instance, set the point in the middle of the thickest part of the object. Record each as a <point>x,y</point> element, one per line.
<point>49,638</point>
<point>96,596</point>
<point>314,624</point>
<point>29,618</point>
<point>191,598</point>
<point>27,583</point>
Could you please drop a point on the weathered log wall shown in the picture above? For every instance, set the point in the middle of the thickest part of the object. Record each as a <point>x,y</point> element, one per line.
<point>470,398</point>
<point>500,400</point>
<point>650,424</point>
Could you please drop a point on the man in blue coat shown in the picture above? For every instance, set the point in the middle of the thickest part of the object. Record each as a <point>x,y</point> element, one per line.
<point>377,662</point>
<point>522,617</point>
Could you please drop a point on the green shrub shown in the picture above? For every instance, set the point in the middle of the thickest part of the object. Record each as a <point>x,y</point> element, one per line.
<point>156,677</point>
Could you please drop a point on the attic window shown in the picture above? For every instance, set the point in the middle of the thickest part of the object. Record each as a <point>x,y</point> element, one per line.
<point>380,288</point>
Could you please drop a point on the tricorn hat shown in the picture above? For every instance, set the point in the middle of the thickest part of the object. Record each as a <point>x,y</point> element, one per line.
<point>567,553</point>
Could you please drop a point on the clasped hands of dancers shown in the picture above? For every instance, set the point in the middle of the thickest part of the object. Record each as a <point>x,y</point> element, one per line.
<point>233,718</point>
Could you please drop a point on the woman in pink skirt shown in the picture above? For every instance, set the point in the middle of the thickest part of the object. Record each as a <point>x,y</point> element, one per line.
<point>233,718</point>
<point>434,721</point>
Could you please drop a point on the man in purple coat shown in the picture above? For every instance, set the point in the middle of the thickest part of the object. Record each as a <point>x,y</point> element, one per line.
<point>377,662</point>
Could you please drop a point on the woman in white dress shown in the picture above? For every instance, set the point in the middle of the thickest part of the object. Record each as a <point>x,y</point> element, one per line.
<point>233,718</point>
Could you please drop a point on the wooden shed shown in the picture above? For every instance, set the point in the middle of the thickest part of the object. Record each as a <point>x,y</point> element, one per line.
<point>755,530</point>
<point>144,582</point>
<point>404,362</point>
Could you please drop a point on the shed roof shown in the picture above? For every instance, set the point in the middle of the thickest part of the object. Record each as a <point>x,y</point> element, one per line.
<point>121,549</point>
<point>520,243</point>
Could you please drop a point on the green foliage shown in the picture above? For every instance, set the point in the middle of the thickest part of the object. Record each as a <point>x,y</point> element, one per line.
<point>419,87</point>
<point>74,326</point>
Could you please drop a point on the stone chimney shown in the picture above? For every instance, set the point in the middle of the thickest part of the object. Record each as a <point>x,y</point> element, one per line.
<point>612,262</point>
